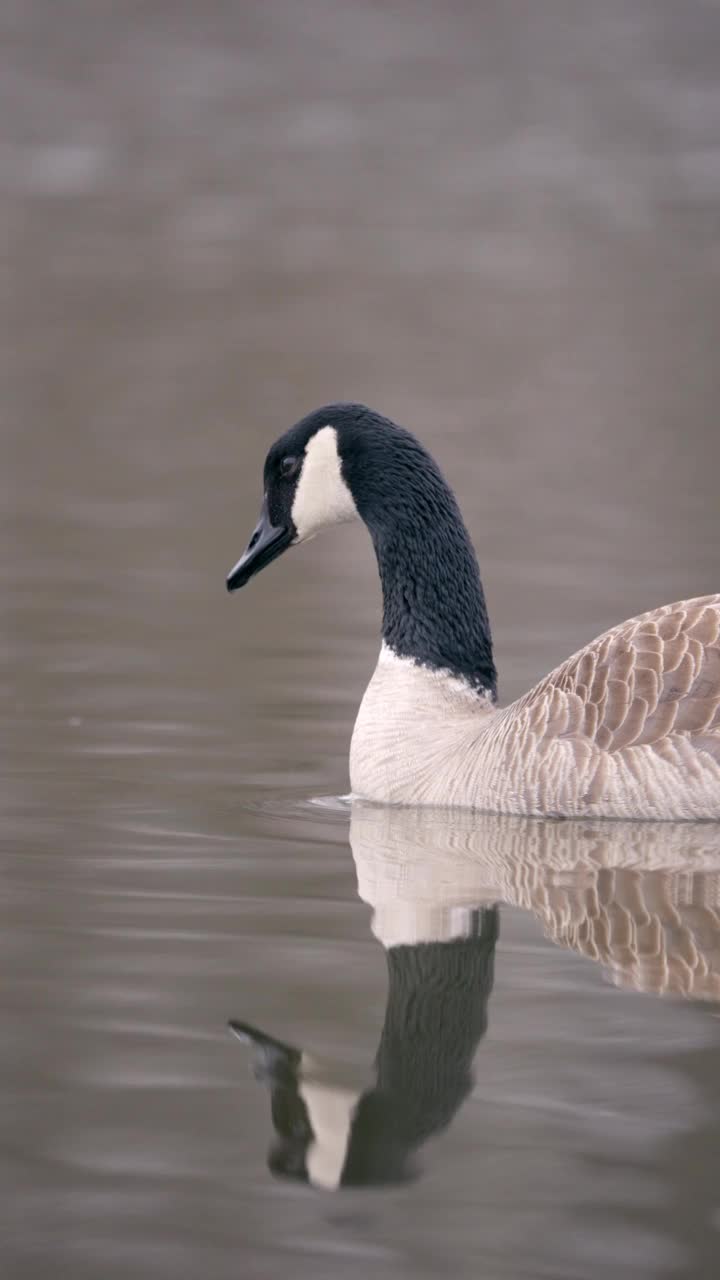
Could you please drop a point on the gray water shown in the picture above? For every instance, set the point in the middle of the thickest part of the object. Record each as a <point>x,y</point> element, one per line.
<point>498,223</point>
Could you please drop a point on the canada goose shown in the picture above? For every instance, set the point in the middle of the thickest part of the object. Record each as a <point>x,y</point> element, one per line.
<point>628,727</point>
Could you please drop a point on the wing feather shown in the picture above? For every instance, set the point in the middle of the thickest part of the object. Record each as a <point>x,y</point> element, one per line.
<point>647,682</point>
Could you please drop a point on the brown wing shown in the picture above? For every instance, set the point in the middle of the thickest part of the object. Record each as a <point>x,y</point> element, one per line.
<point>642,683</point>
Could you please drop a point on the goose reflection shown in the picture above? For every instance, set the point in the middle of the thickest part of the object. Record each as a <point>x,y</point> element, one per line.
<point>643,900</point>
<point>332,1135</point>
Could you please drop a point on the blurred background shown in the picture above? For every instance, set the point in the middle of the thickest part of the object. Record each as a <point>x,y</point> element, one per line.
<point>496,222</point>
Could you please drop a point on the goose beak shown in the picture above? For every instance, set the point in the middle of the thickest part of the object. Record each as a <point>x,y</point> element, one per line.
<point>267,543</point>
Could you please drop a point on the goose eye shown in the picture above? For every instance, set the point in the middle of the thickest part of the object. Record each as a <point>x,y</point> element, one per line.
<point>289,467</point>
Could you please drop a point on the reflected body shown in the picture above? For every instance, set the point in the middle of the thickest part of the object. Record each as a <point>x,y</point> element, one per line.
<point>643,900</point>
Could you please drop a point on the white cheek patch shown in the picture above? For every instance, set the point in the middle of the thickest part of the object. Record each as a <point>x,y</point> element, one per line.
<point>322,497</point>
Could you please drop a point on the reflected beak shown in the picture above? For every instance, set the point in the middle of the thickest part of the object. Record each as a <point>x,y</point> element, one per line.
<point>273,1056</point>
<point>266,544</point>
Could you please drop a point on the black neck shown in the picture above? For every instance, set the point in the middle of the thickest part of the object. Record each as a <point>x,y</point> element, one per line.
<point>433,603</point>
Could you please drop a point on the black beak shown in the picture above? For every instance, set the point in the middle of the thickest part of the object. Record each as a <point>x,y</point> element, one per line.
<point>267,543</point>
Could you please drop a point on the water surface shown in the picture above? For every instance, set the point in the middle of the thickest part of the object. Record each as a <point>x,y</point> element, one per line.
<point>499,224</point>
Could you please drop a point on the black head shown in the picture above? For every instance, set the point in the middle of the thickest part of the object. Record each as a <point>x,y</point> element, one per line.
<point>305,485</point>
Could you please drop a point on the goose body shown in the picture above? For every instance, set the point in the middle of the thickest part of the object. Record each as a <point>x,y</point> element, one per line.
<point>628,727</point>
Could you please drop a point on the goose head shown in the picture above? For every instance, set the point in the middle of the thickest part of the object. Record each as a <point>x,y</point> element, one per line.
<point>306,485</point>
<point>342,462</point>
<point>345,462</point>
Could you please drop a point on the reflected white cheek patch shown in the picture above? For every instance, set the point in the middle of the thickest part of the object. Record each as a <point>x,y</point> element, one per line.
<point>330,1112</point>
<point>322,497</point>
